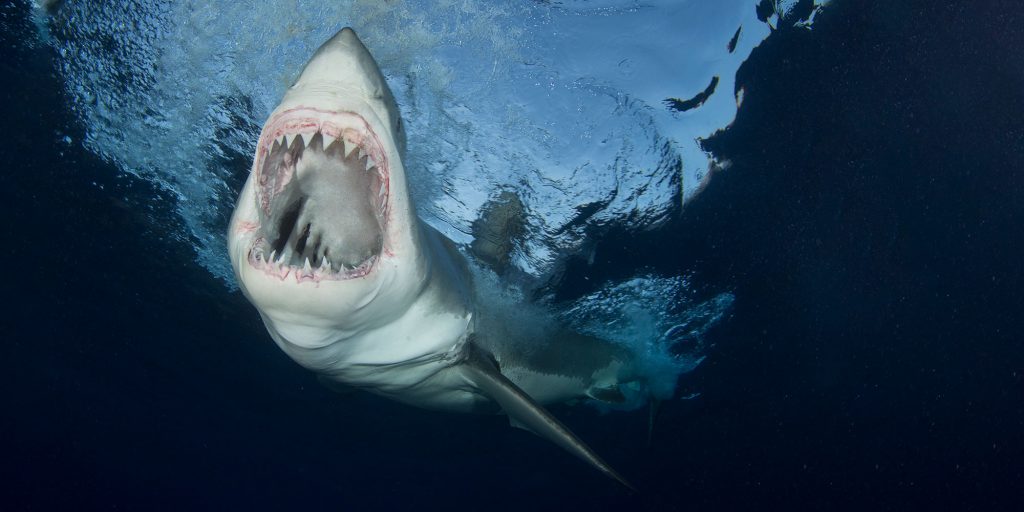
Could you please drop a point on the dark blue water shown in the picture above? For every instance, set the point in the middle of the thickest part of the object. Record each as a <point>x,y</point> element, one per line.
<point>870,227</point>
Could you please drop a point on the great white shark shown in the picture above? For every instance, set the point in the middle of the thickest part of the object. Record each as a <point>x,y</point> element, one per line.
<point>326,244</point>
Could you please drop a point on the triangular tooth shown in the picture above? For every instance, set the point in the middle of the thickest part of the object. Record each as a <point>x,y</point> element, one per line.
<point>276,147</point>
<point>307,267</point>
<point>336,149</point>
<point>362,162</point>
<point>353,151</point>
<point>317,142</point>
<point>273,256</point>
<point>296,149</point>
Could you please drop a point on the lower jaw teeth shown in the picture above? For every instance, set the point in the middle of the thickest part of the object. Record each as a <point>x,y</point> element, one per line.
<point>283,261</point>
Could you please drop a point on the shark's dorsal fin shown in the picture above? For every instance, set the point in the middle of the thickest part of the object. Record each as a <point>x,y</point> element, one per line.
<point>524,412</point>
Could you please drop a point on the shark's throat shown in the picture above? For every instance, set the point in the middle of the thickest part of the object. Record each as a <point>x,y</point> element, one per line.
<point>322,195</point>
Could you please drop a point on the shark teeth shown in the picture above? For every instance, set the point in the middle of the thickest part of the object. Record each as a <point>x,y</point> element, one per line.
<point>346,148</point>
<point>277,265</point>
<point>282,167</point>
<point>307,272</point>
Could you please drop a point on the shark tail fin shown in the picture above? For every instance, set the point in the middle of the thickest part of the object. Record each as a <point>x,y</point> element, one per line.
<point>525,413</point>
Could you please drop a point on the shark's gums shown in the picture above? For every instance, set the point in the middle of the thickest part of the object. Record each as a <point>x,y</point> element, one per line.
<point>325,242</point>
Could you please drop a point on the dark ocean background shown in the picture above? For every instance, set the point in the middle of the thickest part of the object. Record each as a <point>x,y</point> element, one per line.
<point>870,228</point>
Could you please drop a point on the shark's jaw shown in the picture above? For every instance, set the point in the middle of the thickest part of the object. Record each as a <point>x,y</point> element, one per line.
<point>322,185</point>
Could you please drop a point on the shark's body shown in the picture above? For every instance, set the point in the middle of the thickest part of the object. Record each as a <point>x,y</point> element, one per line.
<point>351,285</point>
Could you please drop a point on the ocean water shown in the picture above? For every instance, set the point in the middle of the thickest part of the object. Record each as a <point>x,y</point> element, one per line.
<point>805,214</point>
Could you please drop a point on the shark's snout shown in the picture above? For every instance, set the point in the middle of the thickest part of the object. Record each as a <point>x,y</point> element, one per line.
<point>322,194</point>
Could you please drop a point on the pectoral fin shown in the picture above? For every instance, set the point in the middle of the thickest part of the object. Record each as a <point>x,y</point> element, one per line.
<point>525,413</point>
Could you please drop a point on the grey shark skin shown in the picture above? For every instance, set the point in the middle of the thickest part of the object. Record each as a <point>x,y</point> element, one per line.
<point>324,241</point>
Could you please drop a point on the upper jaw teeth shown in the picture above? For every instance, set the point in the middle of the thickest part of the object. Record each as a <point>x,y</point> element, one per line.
<point>345,147</point>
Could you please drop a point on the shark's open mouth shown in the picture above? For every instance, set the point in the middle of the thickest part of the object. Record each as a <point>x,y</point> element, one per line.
<point>322,193</point>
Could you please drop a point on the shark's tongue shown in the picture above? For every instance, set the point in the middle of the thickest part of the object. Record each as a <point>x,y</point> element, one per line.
<point>321,205</point>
